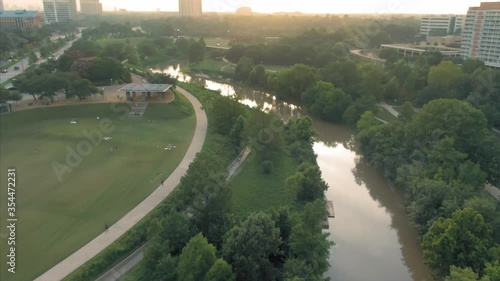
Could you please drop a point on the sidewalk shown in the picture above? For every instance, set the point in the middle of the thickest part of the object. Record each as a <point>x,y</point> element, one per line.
<point>105,239</point>
<point>129,262</point>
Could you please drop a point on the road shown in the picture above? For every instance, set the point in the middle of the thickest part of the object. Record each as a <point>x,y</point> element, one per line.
<point>23,63</point>
<point>116,230</point>
<point>129,262</point>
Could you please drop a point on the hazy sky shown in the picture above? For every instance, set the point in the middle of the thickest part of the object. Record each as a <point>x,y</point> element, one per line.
<point>306,6</point>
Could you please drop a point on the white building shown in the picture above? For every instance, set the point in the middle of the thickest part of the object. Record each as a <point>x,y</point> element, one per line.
<point>59,10</point>
<point>447,24</point>
<point>481,35</point>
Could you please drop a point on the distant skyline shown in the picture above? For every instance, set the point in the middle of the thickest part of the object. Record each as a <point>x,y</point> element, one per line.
<point>271,6</point>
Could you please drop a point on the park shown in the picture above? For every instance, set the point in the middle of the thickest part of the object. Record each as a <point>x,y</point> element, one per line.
<point>68,203</point>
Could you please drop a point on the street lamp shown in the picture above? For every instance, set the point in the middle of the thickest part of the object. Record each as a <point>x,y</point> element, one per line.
<point>111,80</point>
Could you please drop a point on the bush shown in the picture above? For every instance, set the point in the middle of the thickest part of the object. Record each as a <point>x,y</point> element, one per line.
<point>267,166</point>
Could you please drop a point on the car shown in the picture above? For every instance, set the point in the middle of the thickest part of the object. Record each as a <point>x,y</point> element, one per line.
<point>4,71</point>
<point>16,67</point>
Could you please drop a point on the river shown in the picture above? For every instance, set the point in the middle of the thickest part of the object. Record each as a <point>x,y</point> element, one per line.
<point>372,235</point>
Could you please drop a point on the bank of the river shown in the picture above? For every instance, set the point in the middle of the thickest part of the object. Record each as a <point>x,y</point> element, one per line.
<point>374,240</point>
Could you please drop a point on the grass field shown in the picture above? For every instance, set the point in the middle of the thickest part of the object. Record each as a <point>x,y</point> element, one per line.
<point>254,191</point>
<point>213,65</point>
<point>133,41</point>
<point>55,218</point>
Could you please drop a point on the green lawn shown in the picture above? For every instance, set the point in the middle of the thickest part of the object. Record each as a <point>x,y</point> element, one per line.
<point>133,41</point>
<point>213,41</point>
<point>212,65</point>
<point>255,191</point>
<point>55,217</point>
<point>385,115</point>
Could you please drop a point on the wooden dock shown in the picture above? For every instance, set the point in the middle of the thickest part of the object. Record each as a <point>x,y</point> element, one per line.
<point>331,214</point>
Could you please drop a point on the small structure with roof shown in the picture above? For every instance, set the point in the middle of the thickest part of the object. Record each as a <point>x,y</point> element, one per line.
<point>146,90</point>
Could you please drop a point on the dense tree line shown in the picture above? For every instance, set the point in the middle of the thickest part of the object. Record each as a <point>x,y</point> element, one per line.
<point>442,157</point>
<point>258,27</point>
<point>20,42</point>
<point>200,239</point>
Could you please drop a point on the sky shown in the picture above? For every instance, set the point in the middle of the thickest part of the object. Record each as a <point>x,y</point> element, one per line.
<point>305,6</point>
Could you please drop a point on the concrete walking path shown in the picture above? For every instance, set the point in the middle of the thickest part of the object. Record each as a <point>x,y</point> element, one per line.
<point>116,230</point>
<point>135,258</point>
<point>389,108</point>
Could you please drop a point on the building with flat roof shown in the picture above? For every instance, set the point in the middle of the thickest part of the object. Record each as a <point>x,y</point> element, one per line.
<point>20,19</point>
<point>90,7</point>
<point>190,8</point>
<point>481,35</point>
<point>146,90</point>
<point>407,50</point>
<point>442,25</point>
<point>59,10</point>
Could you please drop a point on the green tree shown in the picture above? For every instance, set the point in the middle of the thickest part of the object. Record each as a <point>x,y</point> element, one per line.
<point>237,132</point>
<point>82,88</point>
<point>249,246</point>
<point>289,84</point>
<point>52,84</point>
<point>258,76</point>
<point>196,259</point>
<point>471,65</point>
<point>462,240</point>
<point>196,52</point>
<point>307,242</point>
<point>358,107</point>
<point>225,114</point>
<point>32,58</point>
<point>105,69</point>
<point>463,274</point>
<point>220,271</point>
<point>243,68</point>
<point>4,95</point>
<point>446,72</point>
<point>307,183</point>
<point>406,113</point>
<point>326,101</point>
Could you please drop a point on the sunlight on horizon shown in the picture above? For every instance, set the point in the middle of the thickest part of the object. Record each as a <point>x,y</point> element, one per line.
<point>272,6</point>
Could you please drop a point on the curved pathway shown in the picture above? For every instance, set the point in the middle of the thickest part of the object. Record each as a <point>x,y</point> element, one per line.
<point>102,241</point>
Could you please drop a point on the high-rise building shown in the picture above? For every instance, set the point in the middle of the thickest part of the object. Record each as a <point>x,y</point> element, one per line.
<point>59,10</point>
<point>481,34</point>
<point>441,25</point>
<point>90,7</point>
<point>72,9</point>
<point>1,5</point>
<point>190,8</point>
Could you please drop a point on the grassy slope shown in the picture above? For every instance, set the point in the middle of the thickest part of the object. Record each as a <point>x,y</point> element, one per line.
<point>254,191</point>
<point>60,217</point>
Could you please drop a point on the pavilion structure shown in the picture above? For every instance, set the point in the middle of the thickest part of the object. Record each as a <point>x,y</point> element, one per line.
<point>145,91</point>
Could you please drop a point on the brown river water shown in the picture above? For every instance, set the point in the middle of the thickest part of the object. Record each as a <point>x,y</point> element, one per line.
<point>372,235</point>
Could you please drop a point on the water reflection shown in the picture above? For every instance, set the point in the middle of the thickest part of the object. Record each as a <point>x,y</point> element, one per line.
<point>256,99</point>
<point>374,241</point>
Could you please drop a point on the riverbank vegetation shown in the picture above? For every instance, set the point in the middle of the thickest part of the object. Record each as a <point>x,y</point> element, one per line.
<point>442,158</point>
